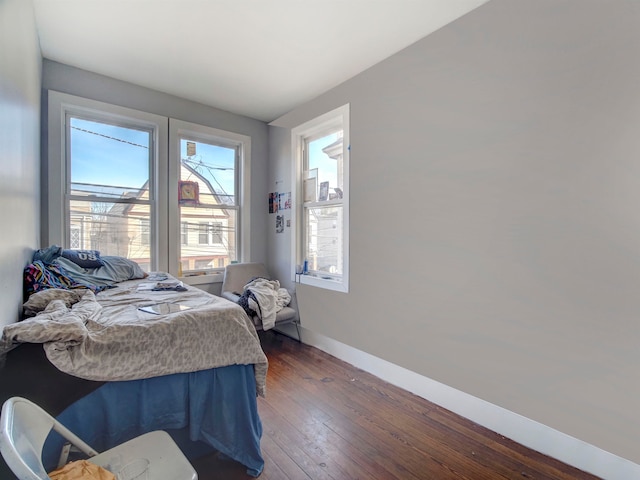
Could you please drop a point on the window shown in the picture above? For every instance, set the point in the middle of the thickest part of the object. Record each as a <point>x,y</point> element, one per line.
<point>210,234</point>
<point>114,177</point>
<point>145,232</point>
<point>103,178</point>
<point>184,233</point>
<point>322,170</point>
<point>107,195</point>
<point>216,232</point>
<point>202,264</point>
<point>212,191</point>
<point>75,238</point>
<point>203,234</point>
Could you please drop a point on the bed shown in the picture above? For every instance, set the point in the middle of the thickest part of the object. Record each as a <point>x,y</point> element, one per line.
<point>92,350</point>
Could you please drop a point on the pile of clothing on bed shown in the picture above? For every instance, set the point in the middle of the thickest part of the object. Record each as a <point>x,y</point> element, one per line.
<point>55,267</point>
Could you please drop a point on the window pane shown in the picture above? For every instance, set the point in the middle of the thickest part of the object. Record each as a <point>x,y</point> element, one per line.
<point>324,239</point>
<point>216,229</point>
<point>108,160</point>
<point>210,235</point>
<point>213,167</point>
<point>184,233</point>
<point>75,240</point>
<point>145,231</point>
<point>325,154</point>
<point>112,228</point>
<point>203,234</point>
<point>112,162</point>
<point>209,231</point>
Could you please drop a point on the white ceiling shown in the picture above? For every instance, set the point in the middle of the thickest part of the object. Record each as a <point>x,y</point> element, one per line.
<point>259,58</point>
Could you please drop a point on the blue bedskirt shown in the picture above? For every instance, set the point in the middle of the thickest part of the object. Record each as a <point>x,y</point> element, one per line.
<point>217,407</point>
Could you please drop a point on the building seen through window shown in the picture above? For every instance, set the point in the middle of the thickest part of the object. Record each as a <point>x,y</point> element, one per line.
<point>111,195</point>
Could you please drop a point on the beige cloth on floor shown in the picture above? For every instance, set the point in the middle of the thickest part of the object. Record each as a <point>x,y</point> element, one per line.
<point>81,470</point>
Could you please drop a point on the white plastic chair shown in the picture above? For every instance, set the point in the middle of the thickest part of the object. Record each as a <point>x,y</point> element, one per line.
<point>24,427</point>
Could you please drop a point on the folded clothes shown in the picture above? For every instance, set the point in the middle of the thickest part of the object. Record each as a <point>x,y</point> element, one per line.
<point>81,470</point>
<point>175,285</point>
<point>157,276</point>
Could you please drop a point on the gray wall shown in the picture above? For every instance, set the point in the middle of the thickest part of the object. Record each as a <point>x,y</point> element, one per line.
<point>280,181</point>
<point>495,234</point>
<point>20,72</point>
<point>74,81</point>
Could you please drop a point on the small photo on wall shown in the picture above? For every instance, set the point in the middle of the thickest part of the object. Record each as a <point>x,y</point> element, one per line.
<point>324,192</point>
<point>284,201</point>
<point>279,223</point>
<point>273,202</point>
<point>310,185</point>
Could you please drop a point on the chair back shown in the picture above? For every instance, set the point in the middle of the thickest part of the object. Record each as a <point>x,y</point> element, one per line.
<point>24,427</point>
<point>237,275</point>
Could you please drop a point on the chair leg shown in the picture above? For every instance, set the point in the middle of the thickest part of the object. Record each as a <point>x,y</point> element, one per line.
<point>64,455</point>
<point>297,324</point>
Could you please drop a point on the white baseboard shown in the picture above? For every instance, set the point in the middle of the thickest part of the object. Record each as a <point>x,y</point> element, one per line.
<point>525,431</point>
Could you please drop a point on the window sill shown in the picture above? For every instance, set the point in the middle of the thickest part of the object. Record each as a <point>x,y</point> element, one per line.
<point>203,279</point>
<point>326,283</point>
<point>324,203</point>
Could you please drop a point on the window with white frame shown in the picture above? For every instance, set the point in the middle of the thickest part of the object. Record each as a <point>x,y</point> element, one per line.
<point>322,199</point>
<point>184,233</point>
<point>211,233</point>
<point>203,234</point>
<point>109,191</point>
<point>114,179</point>
<point>212,190</point>
<point>216,229</point>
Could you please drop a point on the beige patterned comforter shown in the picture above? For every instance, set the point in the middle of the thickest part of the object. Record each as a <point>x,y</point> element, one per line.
<point>106,337</point>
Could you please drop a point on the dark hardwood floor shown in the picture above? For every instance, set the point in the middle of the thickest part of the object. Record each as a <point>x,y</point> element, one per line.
<point>325,419</point>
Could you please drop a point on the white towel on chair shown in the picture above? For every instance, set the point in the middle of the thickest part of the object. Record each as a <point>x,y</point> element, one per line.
<point>271,298</point>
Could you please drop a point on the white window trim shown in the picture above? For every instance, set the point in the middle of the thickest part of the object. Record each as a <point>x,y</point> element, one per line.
<point>60,105</point>
<point>338,116</point>
<point>165,235</point>
<point>207,134</point>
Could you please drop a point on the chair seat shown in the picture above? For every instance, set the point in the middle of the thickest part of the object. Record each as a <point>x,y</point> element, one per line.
<point>166,460</point>
<point>286,315</point>
<point>24,427</point>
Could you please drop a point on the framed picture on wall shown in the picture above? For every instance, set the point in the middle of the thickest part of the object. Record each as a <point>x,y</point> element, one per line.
<point>273,202</point>
<point>311,185</point>
<point>324,191</point>
<point>188,193</point>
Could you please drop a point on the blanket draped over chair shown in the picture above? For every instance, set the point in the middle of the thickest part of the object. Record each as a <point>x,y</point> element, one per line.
<point>264,298</point>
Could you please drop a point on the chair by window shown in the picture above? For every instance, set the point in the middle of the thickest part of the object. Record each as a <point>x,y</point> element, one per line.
<point>24,427</point>
<point>237,275</point>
